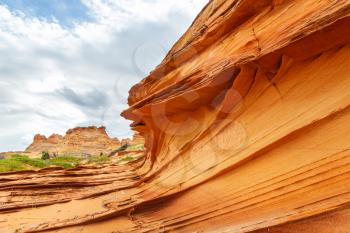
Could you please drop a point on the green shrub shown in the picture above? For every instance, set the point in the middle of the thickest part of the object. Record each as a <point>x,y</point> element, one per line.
<point>45,155</point>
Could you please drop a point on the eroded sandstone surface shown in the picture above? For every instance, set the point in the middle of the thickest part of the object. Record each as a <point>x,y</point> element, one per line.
<point>80,141</point>
<point>247,129</point>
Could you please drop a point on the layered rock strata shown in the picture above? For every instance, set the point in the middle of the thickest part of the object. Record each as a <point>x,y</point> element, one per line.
<point>251,104</point>
<point>247,128</point>
<point>80,141</point>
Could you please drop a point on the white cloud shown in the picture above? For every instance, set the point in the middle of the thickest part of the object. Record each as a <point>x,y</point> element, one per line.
<point>53,77</point>
<point>126,12</point>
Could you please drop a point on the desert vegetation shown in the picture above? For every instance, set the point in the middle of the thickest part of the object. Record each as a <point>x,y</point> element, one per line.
<point>23,162</point>
<point>18,162</point>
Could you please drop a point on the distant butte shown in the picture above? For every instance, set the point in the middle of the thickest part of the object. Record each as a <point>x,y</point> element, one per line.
<point>80,141</point>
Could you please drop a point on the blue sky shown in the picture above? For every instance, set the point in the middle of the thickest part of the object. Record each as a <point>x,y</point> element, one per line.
<point>68,63</point>
<point>66,12</point>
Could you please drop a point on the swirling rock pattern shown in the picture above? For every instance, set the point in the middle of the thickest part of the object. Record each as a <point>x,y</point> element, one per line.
<point>246,123</point>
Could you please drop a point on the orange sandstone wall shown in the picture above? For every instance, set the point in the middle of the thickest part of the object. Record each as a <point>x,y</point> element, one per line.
<point>246,120</point>
<point>246,123</point>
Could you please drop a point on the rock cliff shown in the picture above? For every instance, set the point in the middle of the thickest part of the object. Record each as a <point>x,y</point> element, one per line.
<point>251,104</point>
<point>246,123</point>
<point>80,141</point>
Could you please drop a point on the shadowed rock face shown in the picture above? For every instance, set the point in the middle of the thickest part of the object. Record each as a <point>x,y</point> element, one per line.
<point>247,128</point>
<point>81,141</point>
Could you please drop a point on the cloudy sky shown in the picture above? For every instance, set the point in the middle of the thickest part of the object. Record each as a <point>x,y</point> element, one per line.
<point>68,63</point>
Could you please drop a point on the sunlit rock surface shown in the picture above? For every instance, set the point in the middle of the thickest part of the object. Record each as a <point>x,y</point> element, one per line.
<point>80,141</point>
<point>247,128</point>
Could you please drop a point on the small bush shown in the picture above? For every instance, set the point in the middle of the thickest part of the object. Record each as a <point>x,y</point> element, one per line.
<point>45,155</point>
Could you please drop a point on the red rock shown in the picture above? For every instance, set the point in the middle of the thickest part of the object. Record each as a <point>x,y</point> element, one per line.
<point>39,138</point>
<point>246,123</point>
<point>78,141</point>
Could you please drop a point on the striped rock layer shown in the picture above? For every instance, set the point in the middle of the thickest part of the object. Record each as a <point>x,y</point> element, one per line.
<point>247,128</point>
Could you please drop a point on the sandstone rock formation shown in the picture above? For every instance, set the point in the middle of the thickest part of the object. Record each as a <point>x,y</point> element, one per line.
<point>80,141</point>
<point>247,128</point>
<point>137,138</point>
